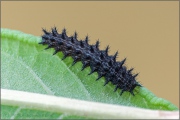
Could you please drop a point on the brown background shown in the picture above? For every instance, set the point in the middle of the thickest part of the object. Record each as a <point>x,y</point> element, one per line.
<point>147,33</point>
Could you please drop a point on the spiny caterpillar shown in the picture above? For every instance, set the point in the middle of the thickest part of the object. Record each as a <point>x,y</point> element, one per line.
<point>99,61</point>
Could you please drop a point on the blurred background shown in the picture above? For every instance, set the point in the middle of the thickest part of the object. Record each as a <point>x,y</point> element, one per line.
<point>146,32</point>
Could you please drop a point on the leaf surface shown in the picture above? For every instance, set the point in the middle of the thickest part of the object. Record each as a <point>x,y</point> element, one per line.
<point>26,66</point>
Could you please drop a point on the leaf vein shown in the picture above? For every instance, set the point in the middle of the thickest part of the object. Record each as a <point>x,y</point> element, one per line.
<point>33,74</point>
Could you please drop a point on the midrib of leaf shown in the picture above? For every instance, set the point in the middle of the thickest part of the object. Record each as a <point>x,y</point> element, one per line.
<point>79,107</point>
<point>144,94</point>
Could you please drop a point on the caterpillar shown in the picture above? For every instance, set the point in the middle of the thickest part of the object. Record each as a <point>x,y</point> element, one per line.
<point>98,60</point>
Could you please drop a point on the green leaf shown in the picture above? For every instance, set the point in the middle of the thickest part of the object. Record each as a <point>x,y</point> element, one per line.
<point>26,66</point>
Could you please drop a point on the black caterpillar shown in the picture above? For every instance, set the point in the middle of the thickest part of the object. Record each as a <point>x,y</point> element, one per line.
<point>90,55</point>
